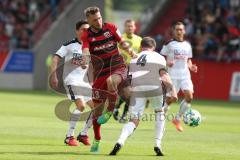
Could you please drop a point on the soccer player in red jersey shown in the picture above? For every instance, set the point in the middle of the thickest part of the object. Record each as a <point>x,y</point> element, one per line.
<point>100,42</point>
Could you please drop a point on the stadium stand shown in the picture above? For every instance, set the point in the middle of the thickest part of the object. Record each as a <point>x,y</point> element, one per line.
<point>212,27</point>
<point>22,22</point>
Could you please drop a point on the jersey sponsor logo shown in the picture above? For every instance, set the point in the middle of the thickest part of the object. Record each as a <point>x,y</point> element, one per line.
<point>108,46</point>
<point>77,59</point>
<point>107,34</point>
<point>180,54</point>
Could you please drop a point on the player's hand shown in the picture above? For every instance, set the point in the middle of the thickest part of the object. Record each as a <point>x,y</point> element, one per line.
<point>174,96</point>
<point>125,45</point>
<point>53,82</point>
<point>170,63</point>
<point>134,56</point>
<point>83,62</point>
<point>194,68</point>
<point>132,53</point>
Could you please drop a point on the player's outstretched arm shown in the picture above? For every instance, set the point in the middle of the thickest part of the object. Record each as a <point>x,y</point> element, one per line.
<point>53,76</point>
<point>192,67</point>
<point>85,56</point>
<point>168,83</point>
<point>125,46</point>
<point>85,49</point>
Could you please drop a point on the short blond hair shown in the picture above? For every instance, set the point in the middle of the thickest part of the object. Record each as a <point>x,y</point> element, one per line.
<point>129,21</point>
<point>91,11</point>
<point>148,42</point>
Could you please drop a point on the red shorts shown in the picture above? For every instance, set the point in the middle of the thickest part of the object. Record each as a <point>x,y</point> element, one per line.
<point>99,87</point>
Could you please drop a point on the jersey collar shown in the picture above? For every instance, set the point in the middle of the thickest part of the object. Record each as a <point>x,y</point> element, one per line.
<point>77,40</point>
<point>177,40</point>
<point>96,31</point>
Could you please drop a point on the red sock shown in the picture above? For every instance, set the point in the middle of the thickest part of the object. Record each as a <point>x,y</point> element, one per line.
<point>96,129</point>
<point>112,98</point>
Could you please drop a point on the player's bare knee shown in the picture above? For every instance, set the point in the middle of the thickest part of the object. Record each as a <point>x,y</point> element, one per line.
<point>79,104</point>
<point>80,108</point>
<point>114,80</point>
<point>168,100</point>
<point>111,84</point>
<point>188,98</point>
<point>109,80</point>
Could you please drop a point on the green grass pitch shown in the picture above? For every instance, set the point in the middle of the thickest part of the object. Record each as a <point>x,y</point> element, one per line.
<point>29,130</point>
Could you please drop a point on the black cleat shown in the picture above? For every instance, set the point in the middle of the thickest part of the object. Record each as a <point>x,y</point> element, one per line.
<point>115,115</point>
<point>116,148</point>
<point>158,151</point>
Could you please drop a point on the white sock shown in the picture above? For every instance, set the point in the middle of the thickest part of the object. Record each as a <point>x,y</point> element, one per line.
<point>87,125</point>
<point>126,132</point>
<point>73,122</point>
<point>166,107</point>
<point>159,128</point>
<point>184,106</point>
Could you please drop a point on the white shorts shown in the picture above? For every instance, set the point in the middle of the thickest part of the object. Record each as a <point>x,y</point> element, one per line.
<point>137,105</point>
<point>183,84</point>
<point>79,92</point>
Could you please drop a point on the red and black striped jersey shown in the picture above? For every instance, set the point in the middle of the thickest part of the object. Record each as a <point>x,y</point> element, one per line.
<point>103,48</point>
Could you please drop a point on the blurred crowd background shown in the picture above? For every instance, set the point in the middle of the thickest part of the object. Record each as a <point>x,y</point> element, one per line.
<point>19,19</point>
<point>212,26</point>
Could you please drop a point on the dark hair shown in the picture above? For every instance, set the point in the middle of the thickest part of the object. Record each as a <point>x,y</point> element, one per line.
<point>80,23</point>
<point>91,10</point>
<point>148,42</point>
<point>177,23</point>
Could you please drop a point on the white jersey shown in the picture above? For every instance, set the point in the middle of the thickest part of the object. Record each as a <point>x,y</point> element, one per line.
<point>145,71</point>
<point>73,74</point>
<point>179,53</point>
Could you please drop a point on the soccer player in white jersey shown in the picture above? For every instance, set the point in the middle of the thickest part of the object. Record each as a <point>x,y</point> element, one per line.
<point>178,54</point>
<point>148,73</point>
<point>73,78</point>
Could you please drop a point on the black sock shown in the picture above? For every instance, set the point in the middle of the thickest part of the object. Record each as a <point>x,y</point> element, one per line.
<point>121,101</point>
<point>125,110</point>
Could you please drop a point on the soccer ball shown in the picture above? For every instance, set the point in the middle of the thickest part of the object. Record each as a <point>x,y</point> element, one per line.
<point>192,118</point>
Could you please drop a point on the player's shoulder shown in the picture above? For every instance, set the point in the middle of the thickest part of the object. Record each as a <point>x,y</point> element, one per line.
<point>110,25</point>
<point>169,42</point>
<point>156,58</point>
<point>124,35</point>
<point>187,42</point>
<point>159,58</point>
<point>157,55</point>
<point>71,42</point>
<point>137,37</point>
<point>151,54</point>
